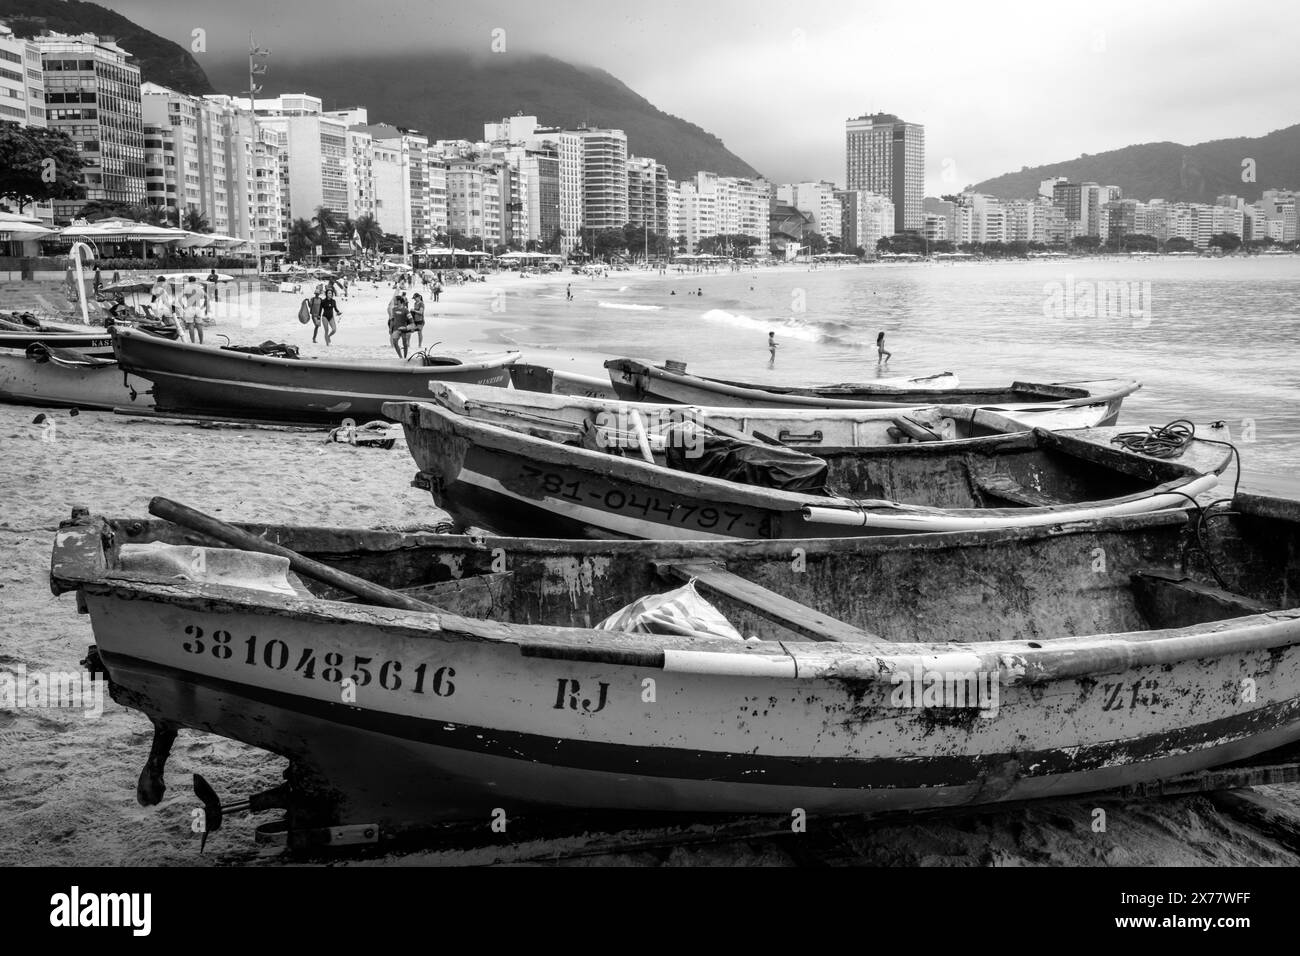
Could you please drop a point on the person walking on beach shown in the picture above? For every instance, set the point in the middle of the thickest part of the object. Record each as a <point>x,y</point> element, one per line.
<point>313,306</point>
<point>882,356</point>
<point>771,348</point>
<point>99,281</point>
<point>417,319</point>
<point>329,312</point>
<point>399,335</point>
<point>568,292</point>
<point>437,287</point>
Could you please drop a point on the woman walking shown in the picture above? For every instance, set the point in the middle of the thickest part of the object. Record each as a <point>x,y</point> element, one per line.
<point>329,310</point>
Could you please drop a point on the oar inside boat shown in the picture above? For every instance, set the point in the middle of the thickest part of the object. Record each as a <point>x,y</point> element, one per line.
<point>187,517</point>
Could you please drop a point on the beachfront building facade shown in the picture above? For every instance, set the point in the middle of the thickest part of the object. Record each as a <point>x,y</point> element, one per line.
<point>820,200</point>
<point>676,214</point>
<point>866,218</point>
<point>604,178</point>
<point>647,194</point>
<point>886,155</point>
<point>252,172</point>
<point>944,210</point>
<point>401,182</point>
<point>187,155</point>
<point>313,154</point>
<point>22,100</point>
<point>92,93</point>
<point>715,205</point>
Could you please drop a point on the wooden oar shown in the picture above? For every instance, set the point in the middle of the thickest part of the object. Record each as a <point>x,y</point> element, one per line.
<point>187,517</point>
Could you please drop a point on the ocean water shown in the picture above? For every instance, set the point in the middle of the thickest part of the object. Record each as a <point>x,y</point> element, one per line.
<point>1210,340</point>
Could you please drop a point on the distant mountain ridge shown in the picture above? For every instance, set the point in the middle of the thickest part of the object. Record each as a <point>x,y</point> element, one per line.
<point>1172,171</point>
<point>450,95</point>
<point>160,60</point>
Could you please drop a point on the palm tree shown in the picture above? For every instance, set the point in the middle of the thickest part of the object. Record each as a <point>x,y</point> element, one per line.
<point>301,239</point>
<point>367,227</point>
<point>327,223</point>
<point>195,221</point>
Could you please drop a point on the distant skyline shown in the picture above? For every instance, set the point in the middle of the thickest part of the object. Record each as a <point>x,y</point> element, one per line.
<point>997,88</point>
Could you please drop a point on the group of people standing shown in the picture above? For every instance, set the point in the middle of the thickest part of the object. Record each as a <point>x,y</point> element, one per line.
<point>188,307</point>
<point>404,320</point>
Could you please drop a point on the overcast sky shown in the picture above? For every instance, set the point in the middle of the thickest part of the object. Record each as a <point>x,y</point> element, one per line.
<point>998,85</point>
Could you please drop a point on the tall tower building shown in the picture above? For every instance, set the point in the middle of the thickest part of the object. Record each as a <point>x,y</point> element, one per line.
<point>92,93</point>
<point>885,155</point>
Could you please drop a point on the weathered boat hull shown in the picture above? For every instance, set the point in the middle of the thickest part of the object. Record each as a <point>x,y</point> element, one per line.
<point>52,383</point>
<point>805,428</point>
<point>193,379</point>
<point>512,483</point>
<point>637,382</point>
<point>462,719</point>
<point>540,379</point>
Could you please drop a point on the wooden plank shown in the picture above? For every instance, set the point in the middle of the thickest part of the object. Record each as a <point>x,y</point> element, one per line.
<point>483,595</point>
<point>1008,489</point>
<point>798,617</point>
<point>1171,599</point>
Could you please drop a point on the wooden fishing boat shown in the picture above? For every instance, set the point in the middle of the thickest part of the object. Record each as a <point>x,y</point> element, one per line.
<point>891,673</point>
<point>540,378</point>
<point>557,479</point>
<point>207,381</point>
<point>67,378</point>
<point>637,382</point>
<point>14,335</point>
<point>807,428</point>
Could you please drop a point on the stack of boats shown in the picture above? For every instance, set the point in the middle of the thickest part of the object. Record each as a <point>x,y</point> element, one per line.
<point>929,597</point>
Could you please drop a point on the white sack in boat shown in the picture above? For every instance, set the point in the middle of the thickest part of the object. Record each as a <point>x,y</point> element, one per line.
<point>681,611</point>
<point>225,566</point>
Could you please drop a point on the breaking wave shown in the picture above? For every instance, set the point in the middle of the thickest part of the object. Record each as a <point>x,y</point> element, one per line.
<point>630,306</point>
<point>793,327</point>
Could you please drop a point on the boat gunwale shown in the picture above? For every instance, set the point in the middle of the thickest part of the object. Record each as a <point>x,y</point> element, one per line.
<point>489,361</point>
<point>79,562</point>
<point>1119,388</point>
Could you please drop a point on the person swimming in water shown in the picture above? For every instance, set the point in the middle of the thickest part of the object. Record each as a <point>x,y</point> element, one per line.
<point>882,356</point>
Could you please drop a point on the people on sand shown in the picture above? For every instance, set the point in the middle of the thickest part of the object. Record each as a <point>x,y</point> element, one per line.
<point>329,313</point>
<point>313,306</point>
<point>882,356</point>
<point>437,287</point>
<point>568,292</point>
<point>772,346</point>
<point>417,319</point>
<point>191,310</point>
<point>399,328</point>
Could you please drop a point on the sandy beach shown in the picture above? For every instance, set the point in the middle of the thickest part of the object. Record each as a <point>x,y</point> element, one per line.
<point>67,791</point>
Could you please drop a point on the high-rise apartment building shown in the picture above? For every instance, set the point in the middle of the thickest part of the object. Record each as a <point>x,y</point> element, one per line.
<point>604,178</point>
<point>22,96</point>
<point>92,93</point>
<point>647,194</point>
<point>886,155</point>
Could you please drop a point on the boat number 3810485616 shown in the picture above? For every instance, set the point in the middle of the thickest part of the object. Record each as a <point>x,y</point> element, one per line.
<point>330,667</point>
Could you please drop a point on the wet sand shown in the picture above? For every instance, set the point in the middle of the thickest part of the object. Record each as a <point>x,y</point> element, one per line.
<point>67,790</point>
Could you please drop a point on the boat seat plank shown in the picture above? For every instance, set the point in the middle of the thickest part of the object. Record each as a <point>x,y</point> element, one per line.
<point>478,596</point>
<point>1008,489</point>
<point>798,617</point>
<point>1170,599</point>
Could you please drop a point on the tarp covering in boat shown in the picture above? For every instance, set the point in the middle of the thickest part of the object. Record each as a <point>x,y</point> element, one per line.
<point>39,352</point>
<point>766,466</point>
<point>276,349</point>
<point>681,611</point>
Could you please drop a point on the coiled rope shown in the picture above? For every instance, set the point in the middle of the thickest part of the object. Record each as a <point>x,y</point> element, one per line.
<point>1159,441</point>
